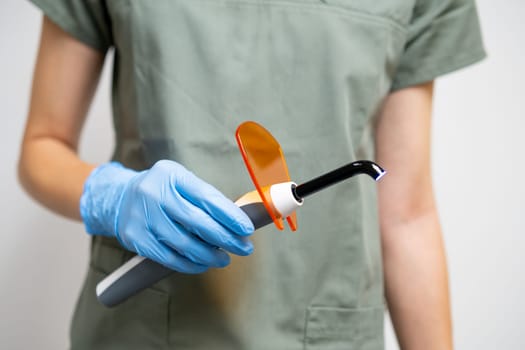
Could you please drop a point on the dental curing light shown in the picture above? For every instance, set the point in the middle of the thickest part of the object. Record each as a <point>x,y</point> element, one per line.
<point>275,198</point>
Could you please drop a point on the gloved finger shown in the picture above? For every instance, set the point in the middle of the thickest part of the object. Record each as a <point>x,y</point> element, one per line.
<point>168,257</point>
<point>197,221</point>
<point>185,243</point>
<point>213,202</point>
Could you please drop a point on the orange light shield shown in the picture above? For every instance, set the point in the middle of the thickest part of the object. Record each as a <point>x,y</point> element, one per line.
<point>266,164</point>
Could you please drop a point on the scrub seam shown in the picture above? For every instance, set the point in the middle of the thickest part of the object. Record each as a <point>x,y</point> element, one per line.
<point>344,12</point>
<point>305,330</point>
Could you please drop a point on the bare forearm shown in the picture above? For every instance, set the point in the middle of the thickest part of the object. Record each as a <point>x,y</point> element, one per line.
<point>414,259</point>
<point>417,283</point>
<point>51,172</point>
<point>65,78</point>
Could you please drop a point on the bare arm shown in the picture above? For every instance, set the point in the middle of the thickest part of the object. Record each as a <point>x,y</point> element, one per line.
<point>414,260</point>
<point>65,78</point>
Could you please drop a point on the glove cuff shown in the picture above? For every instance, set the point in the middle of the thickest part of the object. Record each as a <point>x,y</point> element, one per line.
<point>101,197</point>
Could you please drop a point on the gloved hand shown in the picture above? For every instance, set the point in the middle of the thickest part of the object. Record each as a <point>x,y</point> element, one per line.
<point>166,214</point>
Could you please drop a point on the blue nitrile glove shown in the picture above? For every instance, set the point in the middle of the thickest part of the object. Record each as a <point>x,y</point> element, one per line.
<point>166,214</point>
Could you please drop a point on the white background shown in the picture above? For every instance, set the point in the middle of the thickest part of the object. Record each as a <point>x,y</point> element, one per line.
<point>478,164</point>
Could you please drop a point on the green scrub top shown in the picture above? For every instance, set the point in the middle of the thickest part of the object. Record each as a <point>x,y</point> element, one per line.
<point>186,73</point>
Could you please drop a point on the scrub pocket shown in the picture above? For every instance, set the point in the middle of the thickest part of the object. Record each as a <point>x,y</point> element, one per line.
<point>139,323</point>
<point>333,328</point>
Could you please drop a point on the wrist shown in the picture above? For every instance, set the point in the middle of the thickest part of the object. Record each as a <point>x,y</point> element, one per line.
<point>101,196</point>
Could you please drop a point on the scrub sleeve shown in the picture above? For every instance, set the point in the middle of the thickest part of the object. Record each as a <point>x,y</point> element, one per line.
<point>88,21</point>
<point>186,73</point>
<point>443,36</point>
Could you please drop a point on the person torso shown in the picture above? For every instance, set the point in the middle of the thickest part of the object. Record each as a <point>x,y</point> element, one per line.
<point>314,73</point>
